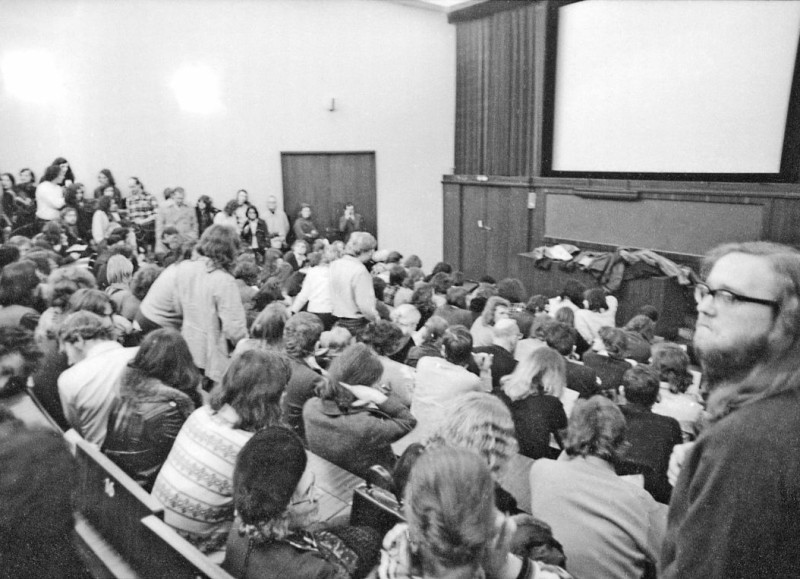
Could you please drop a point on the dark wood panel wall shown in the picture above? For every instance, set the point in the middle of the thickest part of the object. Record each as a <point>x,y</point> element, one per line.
<point>499,110</point>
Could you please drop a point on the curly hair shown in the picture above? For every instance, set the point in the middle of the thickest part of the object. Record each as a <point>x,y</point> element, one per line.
<point>84,325</point>
<point>671,363</point>
<point>143,279</point>
<point>450,509</point>
<point>596,428</point>
<point>301,333</point>
<point>482,423</point>
<point>383,335</point>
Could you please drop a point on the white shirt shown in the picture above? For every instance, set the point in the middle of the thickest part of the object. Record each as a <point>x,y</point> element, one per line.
<point>87,389</point>
<point>277,223</point>
<point>49,200</point>
<point>316,291</point>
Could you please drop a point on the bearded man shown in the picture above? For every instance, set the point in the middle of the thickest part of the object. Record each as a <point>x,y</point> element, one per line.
<point>735,509</point>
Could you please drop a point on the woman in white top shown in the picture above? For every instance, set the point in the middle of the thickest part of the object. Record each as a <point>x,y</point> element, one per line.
<point>49,195</point>
<point>672,365</point>
<point>316,288</point>
<point>104,219</point>
<point>228,215</point>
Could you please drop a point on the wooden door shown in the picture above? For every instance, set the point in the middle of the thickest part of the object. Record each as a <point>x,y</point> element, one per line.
<point>473,219</point>
<point>326,181</point>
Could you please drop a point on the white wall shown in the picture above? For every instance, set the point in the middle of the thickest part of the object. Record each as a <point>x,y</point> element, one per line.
<point>99,93</point>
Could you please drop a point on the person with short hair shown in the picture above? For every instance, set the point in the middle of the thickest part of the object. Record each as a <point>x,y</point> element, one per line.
<point>671,363</point>
<point>349,221</point>
<point>431,336</point>
<point>386,339</point>
<point>640,331</point>
<point>650,435</point>
<point>315,293</point>
<point>580,378</point>
<point>277,223</point>
<point>194,485</point>
<point>304,228</point>
<point>176,213</point>
<point>353,421</point>
<point>351,291</point>
<point>734,507</point>
<point>88,387</point>
<point>571,296</point>
<point>505,335</point>
<point>609,527</point>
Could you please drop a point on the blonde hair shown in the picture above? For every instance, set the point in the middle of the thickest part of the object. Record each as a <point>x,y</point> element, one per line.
<point>543,371</point>
<point>119,269</point>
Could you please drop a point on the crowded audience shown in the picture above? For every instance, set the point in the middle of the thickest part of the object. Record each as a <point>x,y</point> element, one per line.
<point>209,353</point>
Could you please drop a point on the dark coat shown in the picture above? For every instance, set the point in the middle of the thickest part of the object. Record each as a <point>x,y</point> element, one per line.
<point>141,431</point>
<point>582,379</point>
<point>535,419</point>
<point>502,364</point>
<point>262,235</point>
<point>302,386</point>
<point>356,438</point>
<point>610,370</point>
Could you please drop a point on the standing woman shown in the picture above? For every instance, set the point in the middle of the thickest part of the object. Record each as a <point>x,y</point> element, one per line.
<point>104,179</point>
<point>49,196</point>
<point>66,170</point>
<point>150,407</point>
<point>254,233</point>
<point>206,212</point>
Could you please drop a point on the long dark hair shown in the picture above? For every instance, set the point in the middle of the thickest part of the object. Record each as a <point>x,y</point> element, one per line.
<point>253,386</point>
<point>163,355</point>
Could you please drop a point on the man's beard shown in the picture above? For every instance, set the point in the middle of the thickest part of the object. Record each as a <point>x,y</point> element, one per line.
<point>733,364</point>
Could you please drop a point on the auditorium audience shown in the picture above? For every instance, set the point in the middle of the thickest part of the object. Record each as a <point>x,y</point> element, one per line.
<point>610,366</point>
<point>407,318</point>
<point>18,281</point>
<point>175,213</point>
<point>609,527</point>
<point>315,294</point>
<point>353,421</point>
<point>266,332</point>
<point>535,338</point>
<point>194,485</point>
<point>640,331</point>
<point>205,212</point>
<point>505,335</point>
<point>386,339</point>
<point>580,378</point>
<point>119,273</point>
<point>600,311</point>
<point>430,344</point>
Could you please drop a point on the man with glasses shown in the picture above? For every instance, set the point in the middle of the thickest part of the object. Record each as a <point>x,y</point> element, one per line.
<point>735,509</point>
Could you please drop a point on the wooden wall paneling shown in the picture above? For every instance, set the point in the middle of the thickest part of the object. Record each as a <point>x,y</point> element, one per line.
<point>784,221</point>
<point>473,234</point>
<point>508,217</point>
<point>452,225</point>
<point>304,178</point>
<point>352,179</point>
<point>469,98</point>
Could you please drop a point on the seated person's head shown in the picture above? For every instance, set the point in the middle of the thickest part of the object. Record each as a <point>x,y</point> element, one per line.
<point>301,333</point>
<point>119,269</point>
<point>247,271</point>
<point>573,291</point>
<point>385,337</point>
<point>506,333</point>
<point>253,386</point>
<point>441,282</point>
<point>649,311</point>
<point>595,300</point>
<point>82,328</point>
<point>434,329</point>
<point>360,244</point>
<point>356,366</point>
<point>537,304</point>
<point>511,289</point>
<point>543,371</point>
<point>335,341</point>
<point>19,358</point>
<point>91,300</point>
<point>378,286</point>
<point>273,492</point>
<point>270,323</point>
<point>560,337</point>
<point>596,428</point>
<point>171,237</point>
<point>412,261</point>
<point>641,385</point>
<point>397,274</point>
<point>538,329</point>
<point>671,363</point>
<point>614,341</point>
<point>143,279</point>
<point>457,345</point>
<point>457,296</point>
<point>407,318</point>
<point>643,325</point>
<point>480,422</point>
<point>394,257</point>
<point>449,506</point>
<point>496,308</point>
<point>565,315</point>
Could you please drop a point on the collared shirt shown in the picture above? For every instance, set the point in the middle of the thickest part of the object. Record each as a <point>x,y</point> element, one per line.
<point>87,388</point>
<point>142,206</point>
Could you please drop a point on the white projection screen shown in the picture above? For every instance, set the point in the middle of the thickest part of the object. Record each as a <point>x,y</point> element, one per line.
<point>673,86</point>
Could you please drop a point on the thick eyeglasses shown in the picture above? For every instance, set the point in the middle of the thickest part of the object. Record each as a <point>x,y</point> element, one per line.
<point>727,297</point>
